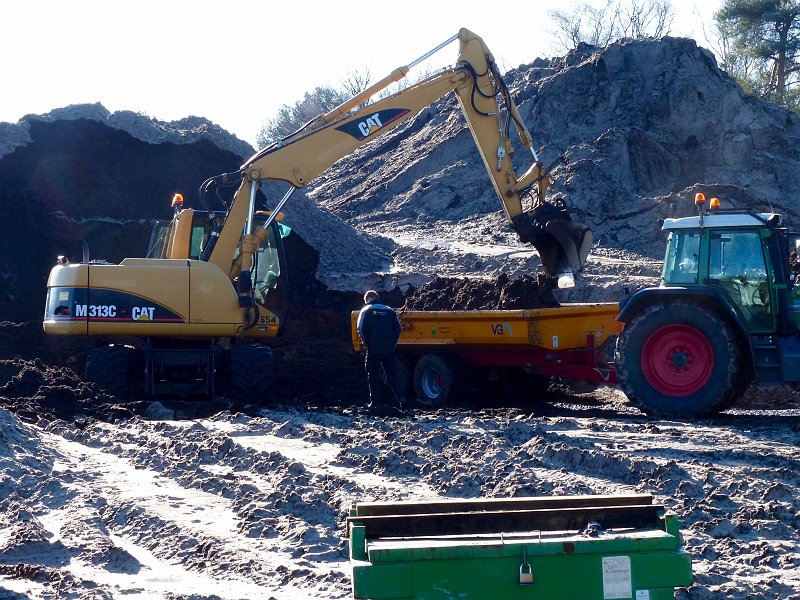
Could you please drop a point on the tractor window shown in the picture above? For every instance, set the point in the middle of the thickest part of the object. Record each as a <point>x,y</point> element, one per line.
<point>737,265</point>
<point>682,260</point>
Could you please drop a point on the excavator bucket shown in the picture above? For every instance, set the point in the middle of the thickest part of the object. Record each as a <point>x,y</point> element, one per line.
<point>563,244</point>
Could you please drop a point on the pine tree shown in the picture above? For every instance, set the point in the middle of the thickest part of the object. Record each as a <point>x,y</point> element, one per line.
<point>762,46</point>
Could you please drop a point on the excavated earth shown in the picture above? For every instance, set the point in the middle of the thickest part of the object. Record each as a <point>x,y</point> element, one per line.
<point>182,498</point>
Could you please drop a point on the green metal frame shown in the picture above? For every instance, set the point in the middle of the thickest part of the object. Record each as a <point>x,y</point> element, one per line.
<point>640,562</point>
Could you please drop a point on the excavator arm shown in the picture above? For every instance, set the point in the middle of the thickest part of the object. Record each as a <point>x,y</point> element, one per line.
<point>489,111</point>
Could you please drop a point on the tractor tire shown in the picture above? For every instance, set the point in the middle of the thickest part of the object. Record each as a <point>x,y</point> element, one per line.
<point>439,380</point>
<point>680,360</point>
<point>111,367</point>
<point>250,373</point>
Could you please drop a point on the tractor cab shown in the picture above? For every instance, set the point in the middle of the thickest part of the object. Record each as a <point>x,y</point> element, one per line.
<point>738,253</point>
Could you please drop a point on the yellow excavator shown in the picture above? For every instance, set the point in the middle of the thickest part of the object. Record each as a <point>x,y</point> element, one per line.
<point>213,285</point>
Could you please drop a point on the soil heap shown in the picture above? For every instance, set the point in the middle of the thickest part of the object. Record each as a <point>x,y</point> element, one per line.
<point>501,293</point>
<point>629,133</point>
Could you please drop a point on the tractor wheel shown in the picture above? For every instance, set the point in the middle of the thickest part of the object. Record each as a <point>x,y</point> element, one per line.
<point>439,380</point>
<point>250,373</point>
<point>679,360</point>
<point>111,368</point>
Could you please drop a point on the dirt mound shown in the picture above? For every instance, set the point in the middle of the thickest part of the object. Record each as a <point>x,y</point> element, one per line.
<point>653,119</point>
<point>501,293</point>
<point>33,391</point>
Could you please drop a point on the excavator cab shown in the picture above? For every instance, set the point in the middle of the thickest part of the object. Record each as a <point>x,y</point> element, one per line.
<point>189,235</point>
<point>185,235</point>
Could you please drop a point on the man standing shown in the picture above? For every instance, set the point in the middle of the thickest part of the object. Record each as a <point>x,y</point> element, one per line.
<point>379,329</point>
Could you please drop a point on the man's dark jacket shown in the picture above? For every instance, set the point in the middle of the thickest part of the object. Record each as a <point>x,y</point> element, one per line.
<point>379,328</point>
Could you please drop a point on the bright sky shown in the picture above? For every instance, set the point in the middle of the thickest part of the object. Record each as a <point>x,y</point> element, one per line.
<point>235,62</point>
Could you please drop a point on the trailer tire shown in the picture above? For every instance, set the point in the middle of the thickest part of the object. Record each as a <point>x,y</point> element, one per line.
<point>439,380</point>
<point>111,368</point>
<point>250,373</point>
<point>679,360</point>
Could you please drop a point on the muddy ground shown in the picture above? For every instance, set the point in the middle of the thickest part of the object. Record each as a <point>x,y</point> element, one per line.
<point>105,500</point>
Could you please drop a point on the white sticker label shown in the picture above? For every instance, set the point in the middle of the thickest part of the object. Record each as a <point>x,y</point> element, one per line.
<point>555,341</point>
<point>616,577</point>
<point>642,594</point>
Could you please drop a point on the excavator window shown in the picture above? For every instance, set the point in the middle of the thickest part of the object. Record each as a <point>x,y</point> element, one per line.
<point>158,239</point>
<point>269,286</point>
<point>203,224</point>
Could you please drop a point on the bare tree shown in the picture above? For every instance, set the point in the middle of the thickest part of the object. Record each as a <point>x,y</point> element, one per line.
<point>636,19</point>
<point>319,101</point>
<point>356,81</point>
<point>584,23</point>
<point>646,18</point>
<point>291,117</point>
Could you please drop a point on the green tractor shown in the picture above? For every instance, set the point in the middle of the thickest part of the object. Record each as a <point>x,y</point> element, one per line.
<point>725,315</point>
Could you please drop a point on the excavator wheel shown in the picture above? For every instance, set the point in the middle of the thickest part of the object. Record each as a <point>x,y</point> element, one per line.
<point>250,373</point>
<point>440,380</point>
<point>679,359</point>
<point>111,368</point>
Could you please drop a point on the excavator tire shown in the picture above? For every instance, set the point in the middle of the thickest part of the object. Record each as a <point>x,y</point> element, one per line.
<point>439,380</point>
<point>250,373</point>
<point>110,367</point>
<point>679,360</point>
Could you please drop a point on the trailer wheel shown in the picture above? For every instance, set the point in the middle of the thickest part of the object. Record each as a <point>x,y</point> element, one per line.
<point>111,368</point>
<point>439,379</point>
<point>250,372</point>
<point>679,360</point>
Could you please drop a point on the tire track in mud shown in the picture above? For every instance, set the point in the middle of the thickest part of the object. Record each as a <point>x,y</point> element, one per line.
<point>236,502</point>
<point>225,510</point>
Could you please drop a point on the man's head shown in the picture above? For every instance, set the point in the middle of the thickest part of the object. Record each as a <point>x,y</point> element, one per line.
<point>370,297</point>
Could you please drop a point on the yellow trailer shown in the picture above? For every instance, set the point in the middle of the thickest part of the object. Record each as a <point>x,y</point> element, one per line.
<point>445,352</point>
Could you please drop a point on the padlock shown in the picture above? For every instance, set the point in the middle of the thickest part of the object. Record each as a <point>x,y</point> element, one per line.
<point>525,574</point>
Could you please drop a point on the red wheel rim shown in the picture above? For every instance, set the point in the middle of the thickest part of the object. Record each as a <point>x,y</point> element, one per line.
<point>677,360</point>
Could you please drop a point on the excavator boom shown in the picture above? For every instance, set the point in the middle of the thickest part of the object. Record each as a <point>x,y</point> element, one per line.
<point>489,111</point>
